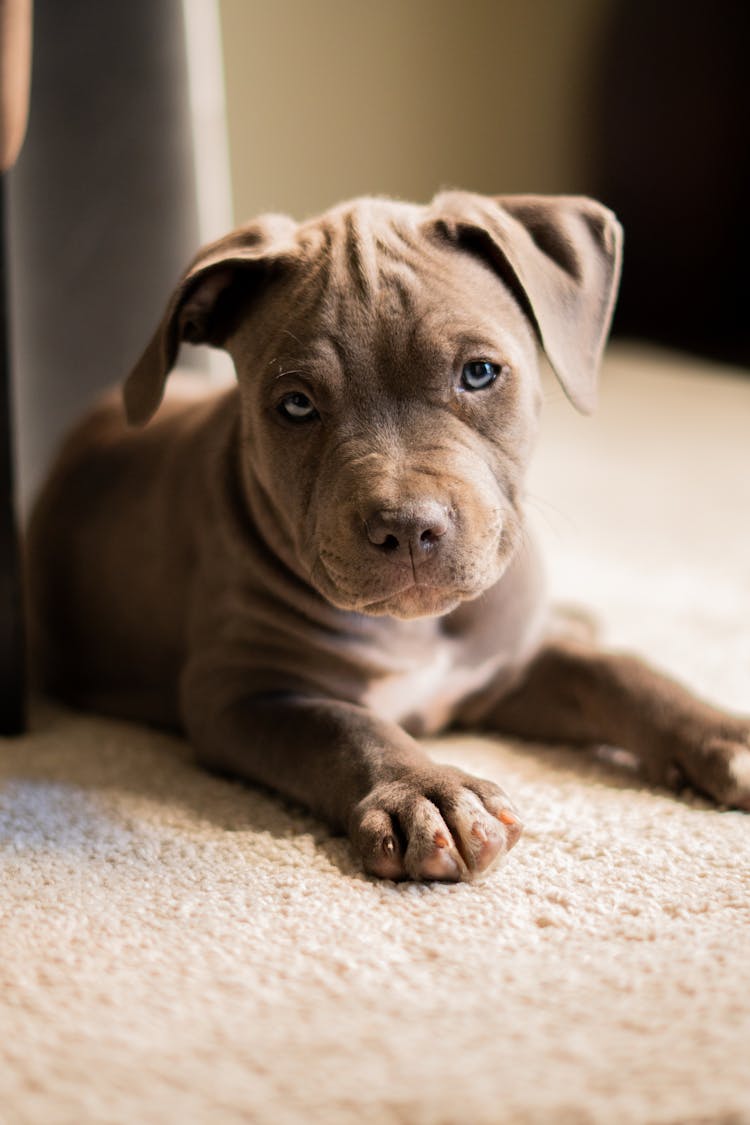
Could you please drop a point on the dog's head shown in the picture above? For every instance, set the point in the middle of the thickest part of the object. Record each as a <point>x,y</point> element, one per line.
<point>387,362</point>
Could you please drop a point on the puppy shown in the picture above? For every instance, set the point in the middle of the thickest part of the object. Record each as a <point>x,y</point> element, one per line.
<point>307,571</point>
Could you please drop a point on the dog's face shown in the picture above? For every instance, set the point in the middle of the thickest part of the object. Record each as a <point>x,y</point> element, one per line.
<point>389,394</point>
<point>387,364</point>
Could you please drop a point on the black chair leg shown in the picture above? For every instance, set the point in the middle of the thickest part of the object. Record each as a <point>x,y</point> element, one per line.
<point>12,686</point>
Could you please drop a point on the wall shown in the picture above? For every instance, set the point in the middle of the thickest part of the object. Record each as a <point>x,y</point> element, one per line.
<point>333,98</point>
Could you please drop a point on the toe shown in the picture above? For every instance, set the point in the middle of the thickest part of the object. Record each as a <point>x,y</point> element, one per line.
<point>441,862</point>
<point>432,852</point>
<point>501,809</point>
<point>378,844</point>
<point>483,835</point>
<point>729,771</point>
<point>739,772</point>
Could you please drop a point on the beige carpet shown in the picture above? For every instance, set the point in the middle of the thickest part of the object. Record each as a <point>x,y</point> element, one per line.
<point>178,948</point>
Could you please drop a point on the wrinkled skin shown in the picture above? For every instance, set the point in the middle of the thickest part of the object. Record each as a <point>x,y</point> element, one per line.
<point>395,431</point>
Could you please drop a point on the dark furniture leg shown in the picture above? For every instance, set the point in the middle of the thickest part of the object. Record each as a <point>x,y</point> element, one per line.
<point>12,694</point>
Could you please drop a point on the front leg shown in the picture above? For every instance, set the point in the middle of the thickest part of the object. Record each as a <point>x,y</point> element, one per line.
<point>574,692</point>
<point>407,817</point>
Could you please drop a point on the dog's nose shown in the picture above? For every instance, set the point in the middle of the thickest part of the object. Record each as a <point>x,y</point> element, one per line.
<point>410,531</point>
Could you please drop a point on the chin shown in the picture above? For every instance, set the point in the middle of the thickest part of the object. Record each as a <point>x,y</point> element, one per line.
<point>417,601</point>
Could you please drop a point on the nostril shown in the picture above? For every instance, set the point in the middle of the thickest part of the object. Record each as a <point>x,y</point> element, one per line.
<point>417,526</point>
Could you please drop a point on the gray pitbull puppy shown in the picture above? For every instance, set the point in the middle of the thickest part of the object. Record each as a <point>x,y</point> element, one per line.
<point>312,568</point>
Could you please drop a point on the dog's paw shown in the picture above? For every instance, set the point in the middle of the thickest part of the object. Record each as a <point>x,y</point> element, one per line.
<point>715,762</point>
<point>438,823</point>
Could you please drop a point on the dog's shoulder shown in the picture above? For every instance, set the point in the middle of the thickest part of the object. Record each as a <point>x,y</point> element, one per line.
<point>193,406</point>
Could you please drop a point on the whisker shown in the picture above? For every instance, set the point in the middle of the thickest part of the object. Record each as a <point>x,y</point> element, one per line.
<point>290,371</point>
<point>544,508</point>
<point>553,393</point>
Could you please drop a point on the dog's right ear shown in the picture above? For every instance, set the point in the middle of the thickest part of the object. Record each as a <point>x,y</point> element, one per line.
<point>201,307</point>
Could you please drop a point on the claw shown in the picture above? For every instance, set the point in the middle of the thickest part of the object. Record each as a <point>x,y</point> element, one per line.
<point>513,827</point>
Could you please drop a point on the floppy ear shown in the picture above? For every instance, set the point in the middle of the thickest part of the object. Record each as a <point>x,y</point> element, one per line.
<point>202,306</point>
<point>561,258</point>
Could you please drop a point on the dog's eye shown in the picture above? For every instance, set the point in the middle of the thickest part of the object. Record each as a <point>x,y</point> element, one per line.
<point>297,408</point>
<point>478,374</point>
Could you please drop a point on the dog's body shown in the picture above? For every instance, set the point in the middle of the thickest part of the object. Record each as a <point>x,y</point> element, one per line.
<point>309,569</point>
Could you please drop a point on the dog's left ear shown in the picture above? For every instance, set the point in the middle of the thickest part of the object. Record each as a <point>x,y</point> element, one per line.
<point>561,258</point>
<point>204,303</point>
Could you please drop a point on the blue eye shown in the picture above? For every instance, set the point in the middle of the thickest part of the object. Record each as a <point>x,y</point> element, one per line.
<point>297,408</point>
<point>478,374</point>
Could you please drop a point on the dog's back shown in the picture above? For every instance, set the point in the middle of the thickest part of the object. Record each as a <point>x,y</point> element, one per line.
<point>111,549</point>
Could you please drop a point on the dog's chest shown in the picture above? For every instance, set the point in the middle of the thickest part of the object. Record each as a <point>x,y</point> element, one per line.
<point>423,696</point>
<point>480,648</point>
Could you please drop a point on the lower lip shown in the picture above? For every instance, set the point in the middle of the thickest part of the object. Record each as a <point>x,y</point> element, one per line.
<point>419,591</point>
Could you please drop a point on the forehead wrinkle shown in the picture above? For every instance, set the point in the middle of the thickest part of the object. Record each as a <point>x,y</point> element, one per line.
<point>371,246</point>
<point>380,331</point>
<point>359,255</point>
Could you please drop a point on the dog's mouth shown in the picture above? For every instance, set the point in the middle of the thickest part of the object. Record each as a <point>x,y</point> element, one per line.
<point>368,579</point>
<point>423,592</point>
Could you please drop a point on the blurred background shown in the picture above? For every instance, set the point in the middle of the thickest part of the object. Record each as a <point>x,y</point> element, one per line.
<point>157,124</point>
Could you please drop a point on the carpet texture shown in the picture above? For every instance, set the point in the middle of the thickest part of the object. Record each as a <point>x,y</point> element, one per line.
<point>179,948</point>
